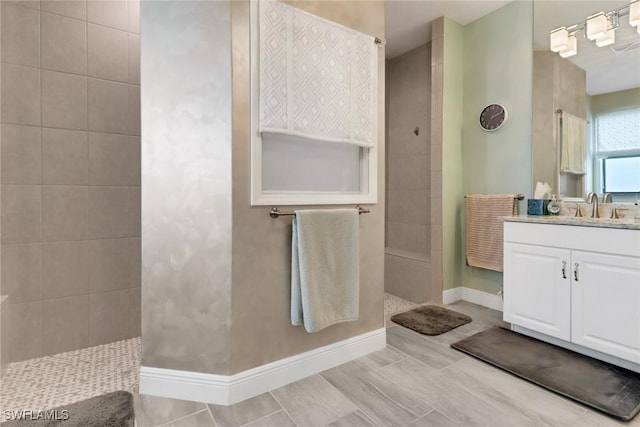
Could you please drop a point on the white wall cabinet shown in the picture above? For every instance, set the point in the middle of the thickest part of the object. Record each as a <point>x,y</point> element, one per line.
<point>576,284</point>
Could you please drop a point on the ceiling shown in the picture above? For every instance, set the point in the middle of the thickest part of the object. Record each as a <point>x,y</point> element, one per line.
<point>408,25</point>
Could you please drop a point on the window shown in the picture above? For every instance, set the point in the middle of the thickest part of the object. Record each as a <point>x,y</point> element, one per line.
<point>618,150</point>
<point>293,169</point>
<point>621,174</point>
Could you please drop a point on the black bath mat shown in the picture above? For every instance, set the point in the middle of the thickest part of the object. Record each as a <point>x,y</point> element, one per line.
<point>603,386</point>
<point>431,319</point>
<point>109,410</point>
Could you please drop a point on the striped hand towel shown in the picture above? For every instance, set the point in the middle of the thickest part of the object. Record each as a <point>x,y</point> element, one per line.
<point>485,228</point>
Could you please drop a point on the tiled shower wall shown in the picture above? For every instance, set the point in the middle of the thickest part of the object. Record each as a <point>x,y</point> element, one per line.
<point>407,252</point>
<point>70,175</point>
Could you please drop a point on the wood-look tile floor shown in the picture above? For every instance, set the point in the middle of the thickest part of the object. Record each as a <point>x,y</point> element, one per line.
<point>416,381</point>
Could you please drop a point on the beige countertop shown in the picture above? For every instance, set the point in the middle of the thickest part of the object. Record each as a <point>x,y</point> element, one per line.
<point>626,223</point>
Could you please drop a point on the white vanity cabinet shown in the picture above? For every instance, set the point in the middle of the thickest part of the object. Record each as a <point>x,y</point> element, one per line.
<point>575,284</point>
<point>537,295</point>
<point>605,303</point>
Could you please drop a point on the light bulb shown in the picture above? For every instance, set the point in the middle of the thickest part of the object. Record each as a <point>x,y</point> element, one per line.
<point>571,49</point>
<point>634,14</point>
<point>608,38</point>
<point>558,39</point>
<point>597,26</point>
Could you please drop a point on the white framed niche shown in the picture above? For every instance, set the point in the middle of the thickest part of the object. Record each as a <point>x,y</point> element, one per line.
<point>296,170</point>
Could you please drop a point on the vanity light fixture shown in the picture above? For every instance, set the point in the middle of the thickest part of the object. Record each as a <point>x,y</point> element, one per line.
<point>600,27</point>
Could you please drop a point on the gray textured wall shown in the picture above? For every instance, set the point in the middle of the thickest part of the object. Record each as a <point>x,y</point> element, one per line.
<point>186,176</point>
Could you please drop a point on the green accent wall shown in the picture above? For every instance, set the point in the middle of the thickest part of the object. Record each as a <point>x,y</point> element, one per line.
<point>613,101</point>
<point>452,158</point>
<point>497,68</point>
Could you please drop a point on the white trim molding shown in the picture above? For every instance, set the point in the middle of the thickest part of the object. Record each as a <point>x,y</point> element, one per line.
<point>230,389</point>
<point>475,296</point>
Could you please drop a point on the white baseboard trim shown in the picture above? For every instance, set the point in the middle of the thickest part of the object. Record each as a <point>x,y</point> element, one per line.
<point>230,389</point>
<point>452,295</point>
<point>475,296</point>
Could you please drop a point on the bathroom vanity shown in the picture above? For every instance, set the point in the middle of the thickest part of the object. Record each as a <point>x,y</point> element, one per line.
<point>575,282</point>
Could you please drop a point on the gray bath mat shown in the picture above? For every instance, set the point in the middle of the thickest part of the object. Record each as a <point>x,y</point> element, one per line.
<point>605,387</point>
<point>431,319</point>
<point>109,410</point>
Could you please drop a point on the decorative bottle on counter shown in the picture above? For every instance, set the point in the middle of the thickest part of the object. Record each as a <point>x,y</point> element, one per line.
<point>554,206</point>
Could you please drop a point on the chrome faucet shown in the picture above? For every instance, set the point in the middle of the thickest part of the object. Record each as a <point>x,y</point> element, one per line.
<point>606,198</point>
<point>592,198</point>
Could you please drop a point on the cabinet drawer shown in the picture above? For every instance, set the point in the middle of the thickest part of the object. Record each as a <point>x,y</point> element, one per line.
<point>603,240</point>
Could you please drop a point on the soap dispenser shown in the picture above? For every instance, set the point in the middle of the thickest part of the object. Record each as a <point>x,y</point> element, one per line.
<point>554,206</point>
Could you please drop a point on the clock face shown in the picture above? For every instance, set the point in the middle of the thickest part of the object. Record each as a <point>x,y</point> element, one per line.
<point>493,117</point>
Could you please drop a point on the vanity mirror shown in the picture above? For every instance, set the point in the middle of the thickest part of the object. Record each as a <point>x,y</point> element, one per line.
<point>586,96</point>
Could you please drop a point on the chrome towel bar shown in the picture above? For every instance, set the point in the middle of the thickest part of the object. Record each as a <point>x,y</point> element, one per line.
<point>275,213</point>
<point>515,196</point>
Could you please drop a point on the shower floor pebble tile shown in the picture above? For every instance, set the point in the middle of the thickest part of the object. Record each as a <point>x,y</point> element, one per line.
<point>61,379</point>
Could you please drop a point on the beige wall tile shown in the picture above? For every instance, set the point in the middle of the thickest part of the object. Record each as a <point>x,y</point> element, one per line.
<point>135,306</point>
<point>22,272</point>
<point>112,159</point>
<point>71,8</point>
<point>21,154</point>
<point>108,316</point>
<point>135,141</point>
<point>136,211</point>
<point>134,16</point>
<point>110,264</point>
<point>66,324</point>
<point>110,13</point>
<point>25,334</point>
<point>20,35</point>
<point>409,206</point>
<point>20,98</point>
<point>21,214</point>
<point>108,106</point>
<point>408,237</point>
<point>406,278</point>
<point>134,110</point>
<point>409,173</point>
<point>32,4</point>
<point>64,157</point>
<point>109,212</point>
<point>108,53</point>
<point>64,100</point>
<point>65,267</point>
<point>136,262</point>
<point>64,43</point>
<point>134,59</point>
<point>64,213</point>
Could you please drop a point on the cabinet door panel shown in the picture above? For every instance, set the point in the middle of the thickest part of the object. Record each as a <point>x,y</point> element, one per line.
<point>606,304</point>
<point>536,294</point>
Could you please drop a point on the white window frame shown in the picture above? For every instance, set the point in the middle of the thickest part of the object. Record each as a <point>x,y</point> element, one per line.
<point>599,157</point>
<point>262,197</point>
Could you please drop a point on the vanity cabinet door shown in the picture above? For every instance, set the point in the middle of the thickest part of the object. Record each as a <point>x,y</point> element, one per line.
<point>537,288</point>
<point>606,303</point>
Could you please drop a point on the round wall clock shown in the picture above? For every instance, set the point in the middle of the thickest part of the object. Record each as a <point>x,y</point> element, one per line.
<point>493,116</point>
